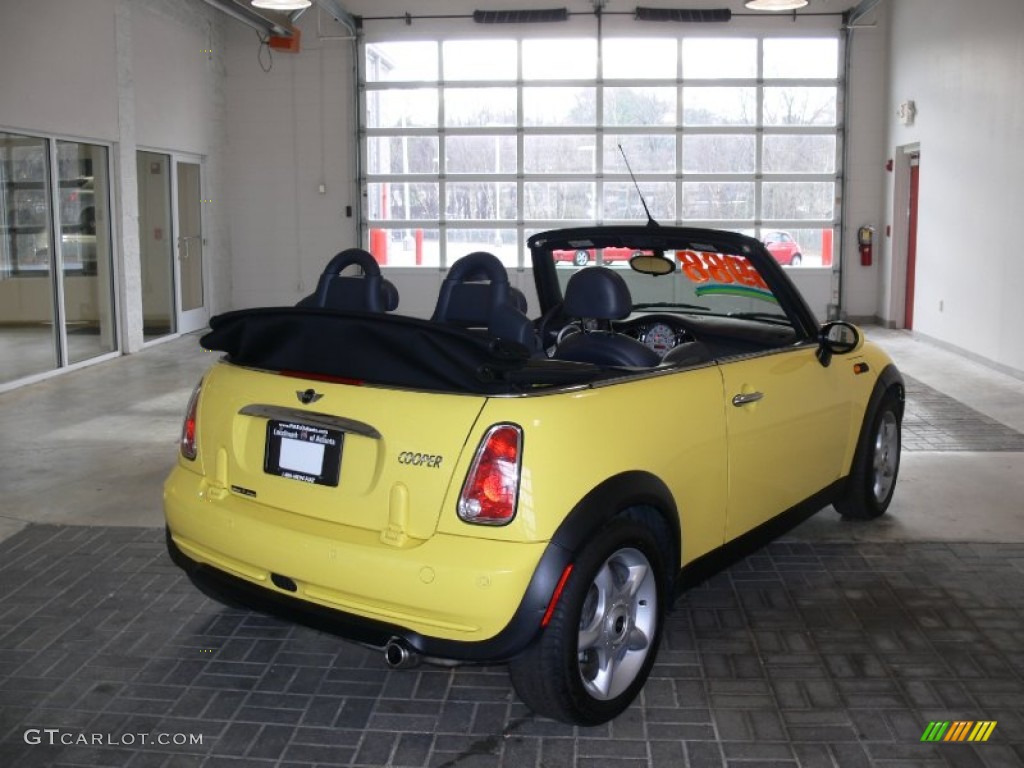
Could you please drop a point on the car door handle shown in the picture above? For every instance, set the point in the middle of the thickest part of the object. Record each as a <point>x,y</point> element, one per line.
<point>746,398</point>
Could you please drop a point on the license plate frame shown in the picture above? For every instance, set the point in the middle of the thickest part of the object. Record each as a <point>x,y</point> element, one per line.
<point>303,452</point>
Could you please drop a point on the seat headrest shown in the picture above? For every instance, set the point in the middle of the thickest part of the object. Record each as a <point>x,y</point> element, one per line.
<point>464,302</point>
<point>368,292</point>
<point>599,293</point>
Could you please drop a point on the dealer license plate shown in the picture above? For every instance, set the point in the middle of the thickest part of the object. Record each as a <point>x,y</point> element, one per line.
<point>303,452</point>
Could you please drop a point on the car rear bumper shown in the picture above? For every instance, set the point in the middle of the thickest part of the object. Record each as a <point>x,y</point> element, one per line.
<point>450,597</point>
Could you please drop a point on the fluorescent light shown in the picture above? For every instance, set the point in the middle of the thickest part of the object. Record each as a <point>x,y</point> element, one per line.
<point>775,5</point>
<point>281,5</point>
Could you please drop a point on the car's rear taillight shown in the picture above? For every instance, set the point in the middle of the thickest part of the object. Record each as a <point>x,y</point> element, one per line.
<point>188,427</point>
<point>491,490</point>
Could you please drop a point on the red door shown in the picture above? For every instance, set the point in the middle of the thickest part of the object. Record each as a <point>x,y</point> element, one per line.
<point>908,312</point>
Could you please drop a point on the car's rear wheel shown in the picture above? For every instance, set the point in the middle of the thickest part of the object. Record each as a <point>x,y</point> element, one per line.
<point>872,480</point>
<point>796,261</point>
<point>580,258</point>
<point>594,656</point>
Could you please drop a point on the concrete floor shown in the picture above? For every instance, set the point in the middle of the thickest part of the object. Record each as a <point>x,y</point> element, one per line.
<point>834,647</point>
<point>92,448</point>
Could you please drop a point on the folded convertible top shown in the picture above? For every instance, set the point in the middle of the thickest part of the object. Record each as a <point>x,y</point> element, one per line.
<point>391,350</point>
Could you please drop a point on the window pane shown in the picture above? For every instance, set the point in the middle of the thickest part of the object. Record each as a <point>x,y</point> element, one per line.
<point>801,58</point>
<point>84,223</point>
<point>479,107</point>
<point>798,200</point>
<point>559,154</point>
<point>719,106</point>
<point>390,62</point>
<point>480,154</point>
<point>402,200</point>
<point>400,108</point>
<point>639,59</point>
<point>570,200</point>
<point>799,106</point>
<point>481,200</point>
<point>559,106</point>
<point>646,153</point>
<point>27,343</point>
<point>718,200</point>
<point>621,200</point>
<point>401,154</point>
<point>714,153</point>
<point>479,59</point>
<point>405,247</point>
<point>719,58</point>
<point>639,106</point>
<point>500,242</point>
<point>807,246</point>
<point>799,154</point>
<point>571,59</point>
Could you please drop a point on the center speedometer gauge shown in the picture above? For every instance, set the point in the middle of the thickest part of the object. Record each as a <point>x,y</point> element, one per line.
<point>660,338</point>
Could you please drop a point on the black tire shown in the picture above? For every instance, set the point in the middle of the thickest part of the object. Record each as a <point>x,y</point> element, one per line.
<point>796,261</point>
<point>872,479</point>
<point>614,601</point>
<point>580,258</point>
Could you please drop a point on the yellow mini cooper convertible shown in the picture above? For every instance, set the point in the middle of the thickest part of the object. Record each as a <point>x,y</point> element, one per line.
<point>485,487</point>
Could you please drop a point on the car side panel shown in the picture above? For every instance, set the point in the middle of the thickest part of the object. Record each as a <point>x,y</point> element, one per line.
<point>671,426</point>
<point>790,443</point>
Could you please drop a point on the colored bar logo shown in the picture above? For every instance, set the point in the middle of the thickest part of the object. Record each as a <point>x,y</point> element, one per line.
<point>958,730</point>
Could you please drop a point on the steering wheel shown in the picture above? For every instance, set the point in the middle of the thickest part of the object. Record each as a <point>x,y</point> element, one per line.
<point>567,330</point>
<point>545,326</point>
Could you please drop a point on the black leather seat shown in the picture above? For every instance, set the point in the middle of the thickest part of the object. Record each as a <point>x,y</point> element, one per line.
<point>601,295</point>
<point>476,294</point>
<point>367,292</point>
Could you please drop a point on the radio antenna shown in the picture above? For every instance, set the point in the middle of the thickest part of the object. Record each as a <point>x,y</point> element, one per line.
<point>650,219</point>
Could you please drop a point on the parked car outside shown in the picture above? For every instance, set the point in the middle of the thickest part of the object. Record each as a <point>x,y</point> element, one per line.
<point>581,257</point>
<point>783,247</point>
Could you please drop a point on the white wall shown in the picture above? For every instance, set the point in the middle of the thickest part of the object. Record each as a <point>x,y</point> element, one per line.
<point>865,168</point>
<point>58,65</point>
<point>291,130</point>
<point>963,65</point>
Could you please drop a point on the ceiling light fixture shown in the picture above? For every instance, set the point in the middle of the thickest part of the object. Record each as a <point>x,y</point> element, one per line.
<point>775,5</point>
<point>281,5</point>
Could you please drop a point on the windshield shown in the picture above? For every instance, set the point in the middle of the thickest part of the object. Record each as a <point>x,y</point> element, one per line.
<point>704,281</point>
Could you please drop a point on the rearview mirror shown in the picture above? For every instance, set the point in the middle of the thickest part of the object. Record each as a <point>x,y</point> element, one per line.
<point>652,264</point>
<point>838,338</point>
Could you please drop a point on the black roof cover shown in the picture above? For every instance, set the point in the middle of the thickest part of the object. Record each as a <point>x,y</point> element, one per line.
<point>384,349</point>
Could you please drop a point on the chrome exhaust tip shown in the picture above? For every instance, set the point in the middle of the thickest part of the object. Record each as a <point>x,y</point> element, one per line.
<point>398,655</point>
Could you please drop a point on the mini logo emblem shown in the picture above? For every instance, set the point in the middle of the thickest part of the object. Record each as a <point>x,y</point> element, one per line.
<point>309,396</point>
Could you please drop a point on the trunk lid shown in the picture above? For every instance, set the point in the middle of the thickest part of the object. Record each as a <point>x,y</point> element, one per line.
<point>373,458</point>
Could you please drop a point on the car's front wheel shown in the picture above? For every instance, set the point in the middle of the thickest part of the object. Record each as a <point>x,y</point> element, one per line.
<point>797,260</point>
<point>872,480</point>
<point>580,258</point>
<point>594,656</point>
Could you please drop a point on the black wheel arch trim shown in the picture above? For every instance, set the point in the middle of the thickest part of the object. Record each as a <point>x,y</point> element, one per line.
<point>612,497</point>
<point>889,380</point>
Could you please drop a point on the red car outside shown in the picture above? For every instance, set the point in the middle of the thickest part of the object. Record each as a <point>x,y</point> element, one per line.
<point>783,247</point>
<point>583,256</point>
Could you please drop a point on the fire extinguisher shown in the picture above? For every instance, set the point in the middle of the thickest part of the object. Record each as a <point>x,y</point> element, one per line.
<point>864,237</point>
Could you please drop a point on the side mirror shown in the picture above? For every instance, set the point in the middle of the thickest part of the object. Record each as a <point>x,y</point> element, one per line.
<point>838,338</point>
